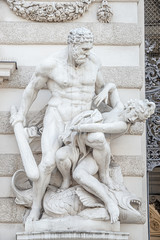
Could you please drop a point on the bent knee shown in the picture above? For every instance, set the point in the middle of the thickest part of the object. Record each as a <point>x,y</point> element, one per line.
<point>96,138</point>
<point>63,153</point>
<point>60,156</point>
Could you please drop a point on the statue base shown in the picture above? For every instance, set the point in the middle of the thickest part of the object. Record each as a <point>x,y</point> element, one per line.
<point>94,235</point>
<point>70,223</point>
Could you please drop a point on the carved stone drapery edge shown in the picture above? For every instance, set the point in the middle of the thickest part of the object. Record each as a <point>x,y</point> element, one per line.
<point>58,11</point>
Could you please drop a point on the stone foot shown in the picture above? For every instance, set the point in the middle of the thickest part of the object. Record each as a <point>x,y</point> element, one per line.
<point>34,214</point>
<point>65,185</point>
<point>113,211</point>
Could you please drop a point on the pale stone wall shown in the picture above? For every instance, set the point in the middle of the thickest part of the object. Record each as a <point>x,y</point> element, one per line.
<point>119,46</point>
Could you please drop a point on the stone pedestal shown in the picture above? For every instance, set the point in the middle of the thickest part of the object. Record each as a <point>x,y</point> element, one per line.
<point>66,228</point>
<point>73,235</point>
<point>70,223</point>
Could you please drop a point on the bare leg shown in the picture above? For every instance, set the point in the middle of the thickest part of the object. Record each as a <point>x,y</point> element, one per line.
<point>102,156</point>
<point>50,145</point>
<point>64,164</point>
<point>83,175</point>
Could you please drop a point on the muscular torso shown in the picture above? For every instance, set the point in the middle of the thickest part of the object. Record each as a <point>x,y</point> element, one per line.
<point>72,88</point>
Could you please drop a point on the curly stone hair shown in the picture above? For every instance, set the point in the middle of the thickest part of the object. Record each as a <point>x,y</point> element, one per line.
<point>143,109</point>
<point>80,35</point>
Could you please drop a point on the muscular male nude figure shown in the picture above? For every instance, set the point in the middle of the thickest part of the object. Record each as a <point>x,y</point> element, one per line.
<point>73,78</point>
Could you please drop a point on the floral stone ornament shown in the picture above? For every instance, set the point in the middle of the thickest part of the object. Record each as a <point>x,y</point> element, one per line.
<point>57,11</point>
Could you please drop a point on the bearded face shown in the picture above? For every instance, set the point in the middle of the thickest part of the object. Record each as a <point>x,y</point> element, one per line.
<point>131,115</point>
<point>138,109</point>
<point>80,52</point>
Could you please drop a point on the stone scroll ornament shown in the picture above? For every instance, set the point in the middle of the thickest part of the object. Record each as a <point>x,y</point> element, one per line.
<point>58,11</point>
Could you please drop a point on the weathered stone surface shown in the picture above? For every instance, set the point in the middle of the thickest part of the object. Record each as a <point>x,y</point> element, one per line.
<point>123,77</point>
<point>10,163</point>
<point>10,212</point>
<point>6,188</point>
<point>5,126</point>
<point>42,33</point>
<point>130,165</point>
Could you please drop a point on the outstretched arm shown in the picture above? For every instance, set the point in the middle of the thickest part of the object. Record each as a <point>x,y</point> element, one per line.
<point>110,128</point>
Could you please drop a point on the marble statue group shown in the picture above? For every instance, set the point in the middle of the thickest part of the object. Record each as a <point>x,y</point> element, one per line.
<point>75,138</point>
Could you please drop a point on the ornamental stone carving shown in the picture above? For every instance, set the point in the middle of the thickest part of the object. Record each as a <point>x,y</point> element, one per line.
<point>104,13</point>
<point>57,11</point>
<point>152,74</point>
<point>75,142</point>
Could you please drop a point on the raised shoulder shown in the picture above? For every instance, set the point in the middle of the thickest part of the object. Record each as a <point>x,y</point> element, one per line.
<point>40,76</point>
<point>45,67</point>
